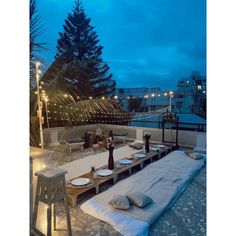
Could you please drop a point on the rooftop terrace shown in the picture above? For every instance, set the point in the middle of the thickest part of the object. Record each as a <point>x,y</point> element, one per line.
<point>186,217</point>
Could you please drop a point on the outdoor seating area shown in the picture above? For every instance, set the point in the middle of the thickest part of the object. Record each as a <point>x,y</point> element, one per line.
<point>127,168</point>
<point>117,121</point>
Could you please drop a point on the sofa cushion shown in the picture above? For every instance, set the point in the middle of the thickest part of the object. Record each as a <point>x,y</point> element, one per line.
<point>139,199</point>
<point>120,202</point>
<point>195,155</point>
<point>136,146</point>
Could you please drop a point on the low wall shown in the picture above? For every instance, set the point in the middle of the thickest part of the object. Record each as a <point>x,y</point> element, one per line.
<point>53,136</point>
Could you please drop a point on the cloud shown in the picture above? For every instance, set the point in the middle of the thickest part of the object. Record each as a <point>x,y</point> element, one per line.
<point>146,43</point>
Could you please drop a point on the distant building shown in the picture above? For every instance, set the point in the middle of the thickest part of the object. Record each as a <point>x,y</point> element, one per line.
<point>150,99</point>
<point>190,96</point>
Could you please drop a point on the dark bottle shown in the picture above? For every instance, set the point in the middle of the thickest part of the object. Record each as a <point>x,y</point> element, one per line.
<point>111,159</point>
<point>147,144</point>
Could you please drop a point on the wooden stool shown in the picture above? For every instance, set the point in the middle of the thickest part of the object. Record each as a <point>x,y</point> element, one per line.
<point>51,188</point>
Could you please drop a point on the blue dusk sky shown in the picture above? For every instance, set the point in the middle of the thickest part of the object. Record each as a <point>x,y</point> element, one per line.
<point>147,43</point>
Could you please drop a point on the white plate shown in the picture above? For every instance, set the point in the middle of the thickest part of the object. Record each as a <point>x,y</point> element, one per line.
<point>160,146</point>
<point>80,181</point>
<point>139,155</point>
<point>104,172</point>
<point>125,162</point>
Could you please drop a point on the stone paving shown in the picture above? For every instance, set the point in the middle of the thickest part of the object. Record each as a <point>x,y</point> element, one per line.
<point>187,217</point>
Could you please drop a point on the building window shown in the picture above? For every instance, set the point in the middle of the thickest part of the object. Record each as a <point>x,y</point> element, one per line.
<point>179,105</point>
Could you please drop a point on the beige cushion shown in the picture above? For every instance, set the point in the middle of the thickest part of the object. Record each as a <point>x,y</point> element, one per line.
<point>120,202</point>
<point>139,199</point>
<point>195,155</point>
<point>136,146</point>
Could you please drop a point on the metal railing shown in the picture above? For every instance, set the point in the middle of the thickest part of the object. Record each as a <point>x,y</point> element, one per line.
<point>199,127</point>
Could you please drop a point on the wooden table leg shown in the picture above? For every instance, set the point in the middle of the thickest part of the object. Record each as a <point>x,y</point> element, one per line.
<point>97,189</point>
<point>115,179</point>
<point>130,172</point>
<point>141,165</point>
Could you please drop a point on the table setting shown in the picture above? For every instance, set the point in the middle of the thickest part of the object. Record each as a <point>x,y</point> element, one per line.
<point>80,183</point>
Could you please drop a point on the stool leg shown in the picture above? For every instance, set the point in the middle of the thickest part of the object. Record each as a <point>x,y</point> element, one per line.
<point>54,217</point>
<point>67,217</point>
<point>36,204</point>
<point>49,220</point>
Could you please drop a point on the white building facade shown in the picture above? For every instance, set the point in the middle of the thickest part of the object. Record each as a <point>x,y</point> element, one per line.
<point>151,99</point>
<point>190,96</point>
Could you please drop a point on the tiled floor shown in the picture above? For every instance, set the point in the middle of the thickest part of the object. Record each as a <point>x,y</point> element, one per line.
<point>187,217</point>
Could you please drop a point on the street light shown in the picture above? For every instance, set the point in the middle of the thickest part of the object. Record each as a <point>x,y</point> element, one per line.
<point>39,111</point>
<point>171,96</point>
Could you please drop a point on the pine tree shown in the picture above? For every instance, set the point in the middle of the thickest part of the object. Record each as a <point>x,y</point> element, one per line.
<point>80,38</point>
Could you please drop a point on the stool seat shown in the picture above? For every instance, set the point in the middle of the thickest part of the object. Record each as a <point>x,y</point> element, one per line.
<point>50,173</point>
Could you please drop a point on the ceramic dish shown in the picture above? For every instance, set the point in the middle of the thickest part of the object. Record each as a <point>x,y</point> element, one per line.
<point>103,173</point>
<point>125,162</point>
<point>139,155</point>
<point>80,181</point>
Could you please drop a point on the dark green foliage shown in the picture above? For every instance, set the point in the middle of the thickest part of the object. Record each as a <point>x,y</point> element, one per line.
<point>36,48</point>
<point>81,41</point>
<point>135,104</point>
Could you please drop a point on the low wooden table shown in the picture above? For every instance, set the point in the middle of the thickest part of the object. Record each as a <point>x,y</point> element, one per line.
<point>75,145</point>
<point>74,192</point>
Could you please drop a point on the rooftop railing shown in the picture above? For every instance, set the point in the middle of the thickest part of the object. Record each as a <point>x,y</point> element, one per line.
<point>198,127</point>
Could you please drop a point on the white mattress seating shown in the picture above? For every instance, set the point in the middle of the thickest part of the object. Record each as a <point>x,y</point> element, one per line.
<point>163,181</point>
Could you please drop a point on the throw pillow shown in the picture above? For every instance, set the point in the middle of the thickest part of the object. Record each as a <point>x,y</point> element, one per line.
<point>139,199</point>
<point>120,202</point>
<point>195,155</point>
<point>136,146</point>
